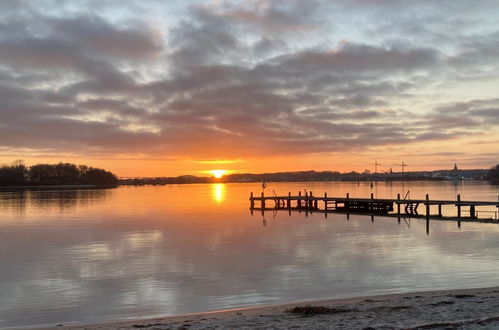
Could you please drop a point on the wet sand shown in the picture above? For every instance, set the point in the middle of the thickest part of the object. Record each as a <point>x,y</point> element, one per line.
<point>450,309</point>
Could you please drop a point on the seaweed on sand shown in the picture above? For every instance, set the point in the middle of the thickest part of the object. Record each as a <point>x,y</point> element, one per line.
<point>310,310</point>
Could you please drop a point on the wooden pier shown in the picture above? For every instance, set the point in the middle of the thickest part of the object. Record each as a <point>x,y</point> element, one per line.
<point>381,206</point>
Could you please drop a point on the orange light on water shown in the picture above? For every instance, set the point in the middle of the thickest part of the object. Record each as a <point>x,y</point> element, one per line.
<point>218,192</point>
<point>218,173</point>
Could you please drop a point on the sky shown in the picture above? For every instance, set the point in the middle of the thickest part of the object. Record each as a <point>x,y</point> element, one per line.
<point>166,88</point>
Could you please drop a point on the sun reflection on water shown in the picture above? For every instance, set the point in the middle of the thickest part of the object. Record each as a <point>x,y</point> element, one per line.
<point>218,192</point>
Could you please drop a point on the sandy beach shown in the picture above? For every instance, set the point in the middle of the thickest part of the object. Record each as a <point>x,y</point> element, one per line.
<point>451,309</point>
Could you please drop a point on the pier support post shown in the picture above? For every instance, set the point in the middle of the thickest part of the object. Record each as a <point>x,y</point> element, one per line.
<point>310,201</point>
<point>298,201</point>
<point>427,207</point>
<point>458,206</point>
<point>398,204</point>
<point>371,203</point>
<point>325,201</point>
<point>263,201</point>
<point>252,201</point>
<point>288,202</point>
<point>440,210</point>
<point>347,203</point>
<point>472,212</point>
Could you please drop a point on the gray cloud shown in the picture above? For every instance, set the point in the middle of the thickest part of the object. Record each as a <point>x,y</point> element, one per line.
<point>472,114</point>
<point>274,17</point>
<point>232,80</point>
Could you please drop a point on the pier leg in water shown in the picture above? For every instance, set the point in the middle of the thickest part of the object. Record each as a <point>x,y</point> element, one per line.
<point>298,201</point>
<point>252,201</point>
<point>440,210</point>
<point>288,203</point>
<point>398,204</point>
<point>427,226</point>
<point>427,207</point>
<point>325,202</point>
<point>458,206</point>
<point>263,201</point>
<point>372,217</point>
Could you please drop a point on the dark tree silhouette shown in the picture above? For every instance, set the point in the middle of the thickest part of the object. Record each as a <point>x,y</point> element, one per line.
<point>15,173</point>
<point>54,174</point>
<point>493,174</point>
<point>93,175</point>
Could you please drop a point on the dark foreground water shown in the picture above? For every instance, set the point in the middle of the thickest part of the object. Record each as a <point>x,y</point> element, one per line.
<point>133,252</point>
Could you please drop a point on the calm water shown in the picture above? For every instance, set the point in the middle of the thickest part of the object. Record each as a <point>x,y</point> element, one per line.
<point>132,252</point>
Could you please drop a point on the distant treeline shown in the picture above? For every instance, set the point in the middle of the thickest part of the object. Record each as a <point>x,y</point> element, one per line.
<point>303,176</point>
<point>493,174</point>
<point>18,174</point>
<point>310,176</point>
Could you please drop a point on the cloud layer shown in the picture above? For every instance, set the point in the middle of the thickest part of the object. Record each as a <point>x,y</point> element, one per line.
<point>228,80</point>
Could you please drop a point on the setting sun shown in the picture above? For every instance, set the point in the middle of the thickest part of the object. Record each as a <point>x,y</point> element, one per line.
<point>218,173</point>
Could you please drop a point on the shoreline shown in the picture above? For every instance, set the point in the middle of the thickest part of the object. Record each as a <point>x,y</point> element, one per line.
<point>308,181</point>
<point>56,187</point>
<point>443,309</point>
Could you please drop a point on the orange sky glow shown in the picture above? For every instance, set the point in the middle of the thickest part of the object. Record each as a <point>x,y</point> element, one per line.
<point>418,156</point>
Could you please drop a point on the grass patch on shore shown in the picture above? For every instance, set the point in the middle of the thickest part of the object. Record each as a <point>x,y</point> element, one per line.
<point>310,310</point>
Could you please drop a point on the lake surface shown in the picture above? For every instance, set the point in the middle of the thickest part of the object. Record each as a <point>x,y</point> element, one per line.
<point>136,252</point>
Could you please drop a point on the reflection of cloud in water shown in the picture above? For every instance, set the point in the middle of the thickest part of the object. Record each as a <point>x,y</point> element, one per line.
<point>142,240</point>
<point>149,290</point>
<point>98,259</point>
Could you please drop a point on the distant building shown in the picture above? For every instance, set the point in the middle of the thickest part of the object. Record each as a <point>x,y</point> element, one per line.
<point>455,167</point>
